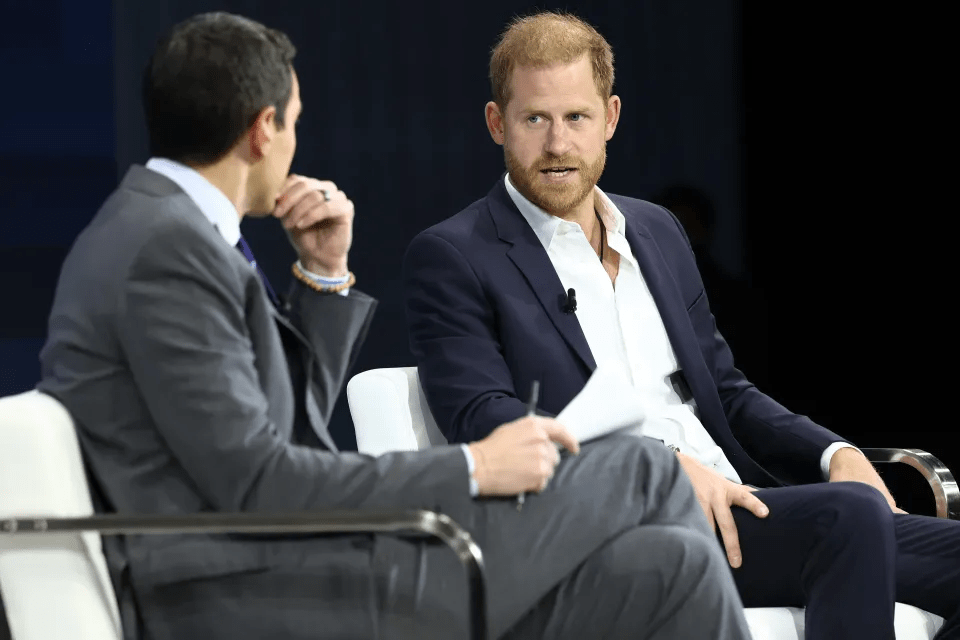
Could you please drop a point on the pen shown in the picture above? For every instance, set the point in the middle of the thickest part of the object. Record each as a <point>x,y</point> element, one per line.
<point>531,411</point>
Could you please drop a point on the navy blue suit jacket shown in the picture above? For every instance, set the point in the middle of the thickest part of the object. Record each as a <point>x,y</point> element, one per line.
<point>485,313</point>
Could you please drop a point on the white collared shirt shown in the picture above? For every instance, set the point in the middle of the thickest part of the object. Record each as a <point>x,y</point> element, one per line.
<point>212,202</point>
<point>624,329</point>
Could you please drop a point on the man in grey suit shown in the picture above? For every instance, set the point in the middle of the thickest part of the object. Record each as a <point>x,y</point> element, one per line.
<point>195,388</point>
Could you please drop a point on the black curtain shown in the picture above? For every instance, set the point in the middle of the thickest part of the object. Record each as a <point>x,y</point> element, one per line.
<point>393,112</point>
<point>821,138</point>
<point>849,197</point>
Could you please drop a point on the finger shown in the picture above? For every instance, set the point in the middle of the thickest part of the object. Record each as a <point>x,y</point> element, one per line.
<point>314,214</point>
<point>549,453</point>
<point>540,475</point>
<point>303,207</point>
<point>313,208</point>
<point>561,435</point>
<point>289,198</point>
<point>325,188</point>
<point>289,182</point>
<point>317,184</point>
<point>312,183</point>
<point>897,509</point>
<point>310,211</point>
<point>337,208</point>
<point>728,531</point>
<point>708,512</point>
<point>295,190</point>
<point>289,185</point>
<point>751,503</point>
<point>710,519</point>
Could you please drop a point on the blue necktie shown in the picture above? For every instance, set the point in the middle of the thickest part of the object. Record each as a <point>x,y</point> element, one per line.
<point>248,254</point>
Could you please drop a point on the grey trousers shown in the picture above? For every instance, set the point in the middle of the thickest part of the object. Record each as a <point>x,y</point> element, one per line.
<point>616,547</point>
<point>649,566</point>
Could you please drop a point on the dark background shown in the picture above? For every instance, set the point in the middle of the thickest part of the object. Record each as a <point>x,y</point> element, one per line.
<point>819,137</point>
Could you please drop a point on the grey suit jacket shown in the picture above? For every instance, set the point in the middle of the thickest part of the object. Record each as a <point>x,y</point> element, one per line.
<point>191,393</point>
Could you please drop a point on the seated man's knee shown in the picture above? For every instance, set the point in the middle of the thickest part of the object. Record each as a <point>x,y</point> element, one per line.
<point>683,554</point>
<point>861,498</point>
<point>655,559</point>
<point>859,506</point>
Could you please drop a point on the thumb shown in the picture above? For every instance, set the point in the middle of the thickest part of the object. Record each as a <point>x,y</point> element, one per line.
<point>561,435</point>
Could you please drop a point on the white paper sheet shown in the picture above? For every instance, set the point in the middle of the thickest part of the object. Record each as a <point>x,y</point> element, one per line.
<point>607,403</point>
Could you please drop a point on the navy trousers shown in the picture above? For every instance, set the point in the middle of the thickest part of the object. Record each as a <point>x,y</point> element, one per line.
<point>838,550</point>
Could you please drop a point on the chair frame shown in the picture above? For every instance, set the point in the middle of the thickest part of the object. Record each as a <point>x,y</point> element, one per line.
<point>428,523</point>
<point>945,490</point>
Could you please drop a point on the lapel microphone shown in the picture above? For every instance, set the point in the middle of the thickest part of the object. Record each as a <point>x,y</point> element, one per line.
<point>571,301</point>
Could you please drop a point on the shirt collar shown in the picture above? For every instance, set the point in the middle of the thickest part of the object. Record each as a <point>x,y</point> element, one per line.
<point>545,225</point>
<point>209,199</point>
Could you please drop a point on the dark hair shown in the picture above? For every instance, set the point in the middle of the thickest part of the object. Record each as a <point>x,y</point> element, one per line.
<point>207,81</point>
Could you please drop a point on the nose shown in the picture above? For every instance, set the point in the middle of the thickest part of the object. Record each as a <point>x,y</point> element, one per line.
<point>558,139</point>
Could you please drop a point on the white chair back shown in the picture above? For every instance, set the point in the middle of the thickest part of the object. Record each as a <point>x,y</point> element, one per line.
<point>55,587</point>
<point>390,413</point>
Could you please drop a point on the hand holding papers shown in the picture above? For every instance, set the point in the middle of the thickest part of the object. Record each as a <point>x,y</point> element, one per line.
<point>607,403</point>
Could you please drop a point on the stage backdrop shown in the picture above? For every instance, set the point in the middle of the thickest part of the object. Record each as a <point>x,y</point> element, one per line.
<point>57,159</point>
<point>394,96</point>
<point>804,130</point>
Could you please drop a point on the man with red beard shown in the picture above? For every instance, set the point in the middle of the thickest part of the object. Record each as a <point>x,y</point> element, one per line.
<point>548,277</point>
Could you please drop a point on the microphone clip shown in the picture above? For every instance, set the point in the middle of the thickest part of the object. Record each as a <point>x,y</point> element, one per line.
<point>570,301</point>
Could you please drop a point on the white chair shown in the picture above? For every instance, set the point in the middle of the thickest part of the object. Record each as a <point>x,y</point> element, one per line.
<point>55,586</point>
<point>53,573</point>
<point>390,413</point>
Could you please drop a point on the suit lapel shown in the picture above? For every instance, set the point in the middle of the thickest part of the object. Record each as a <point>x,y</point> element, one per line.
<point>285,323</point>
<point>673,311</point>
<point>306,354</point>
<point>532,260</point>
<point>141,179</point>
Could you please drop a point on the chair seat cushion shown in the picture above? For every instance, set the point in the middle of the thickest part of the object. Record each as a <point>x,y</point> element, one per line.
<point>787,623</point>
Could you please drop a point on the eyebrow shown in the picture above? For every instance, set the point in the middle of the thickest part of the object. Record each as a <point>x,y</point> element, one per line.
<point>579,109</point>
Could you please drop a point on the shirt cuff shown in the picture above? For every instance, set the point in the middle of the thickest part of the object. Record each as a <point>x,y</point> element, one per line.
<point>474,487</point>
<point>325,281</point>
<point>828,456</point>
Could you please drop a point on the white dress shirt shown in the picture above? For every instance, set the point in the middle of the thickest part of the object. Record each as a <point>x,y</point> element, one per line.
<point>624,329</point>
<point>212,202</point>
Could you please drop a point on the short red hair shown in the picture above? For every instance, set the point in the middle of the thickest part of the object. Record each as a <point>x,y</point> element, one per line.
<point>545,39</point>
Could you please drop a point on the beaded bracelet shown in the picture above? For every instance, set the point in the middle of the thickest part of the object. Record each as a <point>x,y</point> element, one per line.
<point>320,288</point>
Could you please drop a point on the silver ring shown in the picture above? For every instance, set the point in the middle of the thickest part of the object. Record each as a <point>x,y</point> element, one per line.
<point>326,195</point>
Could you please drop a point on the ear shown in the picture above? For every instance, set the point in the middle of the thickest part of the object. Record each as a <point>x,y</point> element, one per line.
<point>494,120</point>
<point>261,133</point>
<point>612,116</point>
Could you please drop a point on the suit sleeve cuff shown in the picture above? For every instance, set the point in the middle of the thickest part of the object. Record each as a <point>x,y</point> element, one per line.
<point>474,487</point>
<point>828,456</point>
<point>324,281</point>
